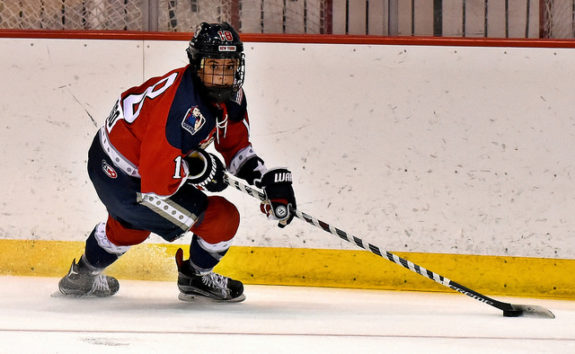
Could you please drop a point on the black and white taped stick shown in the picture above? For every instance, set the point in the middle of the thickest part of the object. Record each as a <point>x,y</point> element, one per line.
<point>509,310</point>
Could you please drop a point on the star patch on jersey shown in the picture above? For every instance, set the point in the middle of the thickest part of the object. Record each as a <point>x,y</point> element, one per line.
<point>193,120</point>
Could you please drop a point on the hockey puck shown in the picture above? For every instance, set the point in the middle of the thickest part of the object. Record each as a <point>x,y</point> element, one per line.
<point>512,313</point>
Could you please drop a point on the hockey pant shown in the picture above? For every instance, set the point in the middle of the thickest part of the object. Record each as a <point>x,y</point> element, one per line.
<point>132,217</point>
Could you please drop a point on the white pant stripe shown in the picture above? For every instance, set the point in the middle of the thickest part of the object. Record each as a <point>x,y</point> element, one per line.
<point>169,209</point>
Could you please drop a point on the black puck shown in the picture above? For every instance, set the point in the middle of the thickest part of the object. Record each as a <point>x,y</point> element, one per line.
<point>512,313</point>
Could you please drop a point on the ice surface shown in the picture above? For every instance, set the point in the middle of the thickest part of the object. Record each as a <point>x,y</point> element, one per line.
<point>147,317</point>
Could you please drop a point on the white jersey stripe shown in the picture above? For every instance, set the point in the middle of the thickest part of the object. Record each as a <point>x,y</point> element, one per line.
<point>117,158</point>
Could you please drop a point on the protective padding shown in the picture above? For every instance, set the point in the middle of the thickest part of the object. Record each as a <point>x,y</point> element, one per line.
<point>220,221</point>
<point>123,236</point>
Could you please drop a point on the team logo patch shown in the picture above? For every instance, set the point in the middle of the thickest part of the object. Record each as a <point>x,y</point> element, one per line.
<point>193,120</point>
<point>109,170</point>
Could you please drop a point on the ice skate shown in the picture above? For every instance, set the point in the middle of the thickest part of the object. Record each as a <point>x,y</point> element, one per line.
<point>81,281</point>
<point>210,286</point>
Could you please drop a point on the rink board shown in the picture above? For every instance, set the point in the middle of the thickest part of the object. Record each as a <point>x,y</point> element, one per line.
<point>496,275</point>
<point>444,149</point>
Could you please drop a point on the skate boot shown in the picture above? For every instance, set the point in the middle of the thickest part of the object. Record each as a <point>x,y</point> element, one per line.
<point>81,281</point>
<point>212,286</point>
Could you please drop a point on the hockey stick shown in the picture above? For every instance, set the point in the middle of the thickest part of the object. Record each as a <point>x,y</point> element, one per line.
<point>509,310</point>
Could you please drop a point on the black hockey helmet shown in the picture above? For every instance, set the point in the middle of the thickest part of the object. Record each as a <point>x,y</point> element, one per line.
<point>218,41</point>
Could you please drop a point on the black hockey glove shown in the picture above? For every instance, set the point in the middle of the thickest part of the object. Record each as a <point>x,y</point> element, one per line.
<point>251,170</point>
<point>206,171</point>
<point>277,186</point>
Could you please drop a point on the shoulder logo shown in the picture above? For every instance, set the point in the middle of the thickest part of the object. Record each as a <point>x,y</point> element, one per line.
<point>193,120</point>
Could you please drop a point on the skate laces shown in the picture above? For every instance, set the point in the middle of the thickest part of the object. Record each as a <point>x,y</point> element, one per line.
<point>100,284</point>
<point>217,282</point>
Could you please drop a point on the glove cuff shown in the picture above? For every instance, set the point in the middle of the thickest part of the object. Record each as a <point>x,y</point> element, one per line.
<point>202,168</point>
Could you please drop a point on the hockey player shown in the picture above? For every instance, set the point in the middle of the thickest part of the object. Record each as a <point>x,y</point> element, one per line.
<point>149,167</point>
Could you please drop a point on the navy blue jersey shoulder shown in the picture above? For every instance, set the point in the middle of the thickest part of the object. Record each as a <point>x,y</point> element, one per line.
<point>237,107</point>
<point>191,119</point>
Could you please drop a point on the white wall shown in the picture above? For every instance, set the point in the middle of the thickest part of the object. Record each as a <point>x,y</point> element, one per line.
<point>424,149</point>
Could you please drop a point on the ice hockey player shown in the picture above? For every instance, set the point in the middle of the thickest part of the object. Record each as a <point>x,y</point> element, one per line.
<point>150,169</point>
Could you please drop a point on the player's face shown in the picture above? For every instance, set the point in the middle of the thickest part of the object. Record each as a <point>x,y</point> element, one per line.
<point>218,72</point>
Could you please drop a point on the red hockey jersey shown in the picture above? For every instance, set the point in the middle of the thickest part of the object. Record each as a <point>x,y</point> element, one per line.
<point>152,127</point>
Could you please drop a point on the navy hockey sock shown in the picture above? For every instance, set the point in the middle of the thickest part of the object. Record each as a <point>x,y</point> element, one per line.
<point>95,255</point>
<point>203,260</point>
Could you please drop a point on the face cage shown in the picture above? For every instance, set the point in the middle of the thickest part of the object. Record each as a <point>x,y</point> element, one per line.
<point>238,75</point>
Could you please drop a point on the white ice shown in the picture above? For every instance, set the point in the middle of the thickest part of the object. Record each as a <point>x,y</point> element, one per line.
<point>147,317</point>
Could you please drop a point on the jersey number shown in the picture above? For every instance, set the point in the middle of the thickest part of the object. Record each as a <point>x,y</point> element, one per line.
<point>177,171</point>
<point>132,104</point>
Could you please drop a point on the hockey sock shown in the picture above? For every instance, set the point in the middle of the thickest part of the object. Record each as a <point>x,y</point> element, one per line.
<point>203,257</point>
<point>95,255</point>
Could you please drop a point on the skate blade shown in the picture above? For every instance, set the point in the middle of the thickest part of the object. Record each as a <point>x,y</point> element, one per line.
<point>205,299</point>
<point>70,296</point>
<point>77,296</point>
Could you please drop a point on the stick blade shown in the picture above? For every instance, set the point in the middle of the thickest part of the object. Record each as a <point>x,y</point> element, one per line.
<point>528,311</point>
